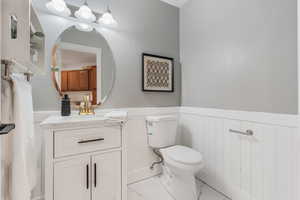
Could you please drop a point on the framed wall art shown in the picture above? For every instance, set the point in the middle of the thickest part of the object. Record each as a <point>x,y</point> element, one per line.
<point>158,73</point>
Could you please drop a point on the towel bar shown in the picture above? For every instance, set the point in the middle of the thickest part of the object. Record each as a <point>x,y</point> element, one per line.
<point>247,133</point>
<point>7,70</point>
<point>6,128</point>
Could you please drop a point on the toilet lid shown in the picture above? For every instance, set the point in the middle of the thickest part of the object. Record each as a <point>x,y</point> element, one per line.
<point>183,155</point>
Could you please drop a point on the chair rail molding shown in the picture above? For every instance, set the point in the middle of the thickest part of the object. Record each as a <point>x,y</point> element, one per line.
<point>258,117</point>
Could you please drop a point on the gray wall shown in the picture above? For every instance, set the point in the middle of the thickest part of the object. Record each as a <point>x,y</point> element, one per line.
<point>240,54</point>
<point>144,26</point>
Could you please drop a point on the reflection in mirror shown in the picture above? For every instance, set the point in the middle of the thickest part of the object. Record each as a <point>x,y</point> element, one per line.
<point>77,71</point>
<point>82,65</point>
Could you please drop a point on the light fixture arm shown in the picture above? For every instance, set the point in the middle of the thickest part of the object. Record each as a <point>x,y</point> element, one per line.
<point>108,6</point>
<point>108,9</point>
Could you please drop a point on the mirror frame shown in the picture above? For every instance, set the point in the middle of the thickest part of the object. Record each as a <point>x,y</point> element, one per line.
<point>53,64</point>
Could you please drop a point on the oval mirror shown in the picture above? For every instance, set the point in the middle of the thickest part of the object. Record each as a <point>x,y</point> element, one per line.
<point>83,65</point>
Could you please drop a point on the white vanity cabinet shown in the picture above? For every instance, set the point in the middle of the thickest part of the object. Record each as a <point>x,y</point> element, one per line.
<point>84,160</point>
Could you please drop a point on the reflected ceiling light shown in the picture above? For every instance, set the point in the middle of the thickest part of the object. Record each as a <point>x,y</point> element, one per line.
<point>107,18</point>
<point>58,7</point>
<point>84,13</point>
<point>84,27</point>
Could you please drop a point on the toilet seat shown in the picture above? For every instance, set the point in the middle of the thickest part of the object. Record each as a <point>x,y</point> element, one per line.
<point>183,155</point>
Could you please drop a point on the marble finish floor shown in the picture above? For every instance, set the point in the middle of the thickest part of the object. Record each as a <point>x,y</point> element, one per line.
<point>152,189</point>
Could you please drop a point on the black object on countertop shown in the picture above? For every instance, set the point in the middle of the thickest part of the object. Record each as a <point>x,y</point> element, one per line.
<point>65,106</point>
<point>6,128</point>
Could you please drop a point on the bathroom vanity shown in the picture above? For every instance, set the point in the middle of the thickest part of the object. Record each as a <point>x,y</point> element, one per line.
<point>84,158</point>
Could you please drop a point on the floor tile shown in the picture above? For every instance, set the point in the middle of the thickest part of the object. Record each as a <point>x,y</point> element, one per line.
<point>132,195</point>
<point>152,189</point>
<point>210,194</point>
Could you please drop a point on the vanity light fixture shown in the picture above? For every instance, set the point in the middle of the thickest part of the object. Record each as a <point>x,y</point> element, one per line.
<point>58,7</point>
<point>107,18</point>
<point>85,14</point>
<point>85,19</point>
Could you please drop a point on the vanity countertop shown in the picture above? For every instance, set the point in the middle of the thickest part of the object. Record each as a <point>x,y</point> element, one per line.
<point>57,121</point>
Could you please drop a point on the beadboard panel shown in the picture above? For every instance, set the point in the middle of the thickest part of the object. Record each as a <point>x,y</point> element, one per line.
<point>262,167</point>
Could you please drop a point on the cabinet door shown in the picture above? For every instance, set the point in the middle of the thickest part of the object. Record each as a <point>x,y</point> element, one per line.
<point>64,81</point>
<point>72,179</point>
<point>73,81</point>
<point>107,176</point>
<point>83,80</point>
<point>94,95</point>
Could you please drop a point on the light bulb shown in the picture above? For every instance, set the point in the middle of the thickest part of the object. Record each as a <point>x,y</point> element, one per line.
<point>84,13</point>
<point>107,18</point>
<point>58,7</point>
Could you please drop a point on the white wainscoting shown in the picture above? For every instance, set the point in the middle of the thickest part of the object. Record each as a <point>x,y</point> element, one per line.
<point>262,167</point>
<point>140,156</point>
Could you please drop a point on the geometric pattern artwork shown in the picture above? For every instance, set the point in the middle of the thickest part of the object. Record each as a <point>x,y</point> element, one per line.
<point>158,73</point>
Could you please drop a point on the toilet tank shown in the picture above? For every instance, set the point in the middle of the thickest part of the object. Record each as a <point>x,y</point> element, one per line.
<point>161,130</point>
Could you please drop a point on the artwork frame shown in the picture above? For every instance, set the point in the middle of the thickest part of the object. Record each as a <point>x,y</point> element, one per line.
<point>150,83</point>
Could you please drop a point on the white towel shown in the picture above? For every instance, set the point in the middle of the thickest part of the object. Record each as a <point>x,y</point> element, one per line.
<point>7,102</point>
<point>24,159</point>
<point>6,141</point>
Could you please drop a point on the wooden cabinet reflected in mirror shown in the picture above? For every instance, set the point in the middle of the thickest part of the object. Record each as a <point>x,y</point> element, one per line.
<point>80,80</point>
<point>82,66</point>
<point>76,71</point>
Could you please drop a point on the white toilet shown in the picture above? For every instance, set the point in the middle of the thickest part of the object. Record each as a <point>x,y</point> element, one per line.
<point>180,163</point>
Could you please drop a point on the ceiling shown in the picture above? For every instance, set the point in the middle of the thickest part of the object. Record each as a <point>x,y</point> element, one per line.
<point>177,3</point>
<point>100,7</point>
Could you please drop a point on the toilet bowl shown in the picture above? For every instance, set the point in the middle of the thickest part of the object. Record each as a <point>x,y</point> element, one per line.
<point>180,164</point>
<point>179,169</point>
